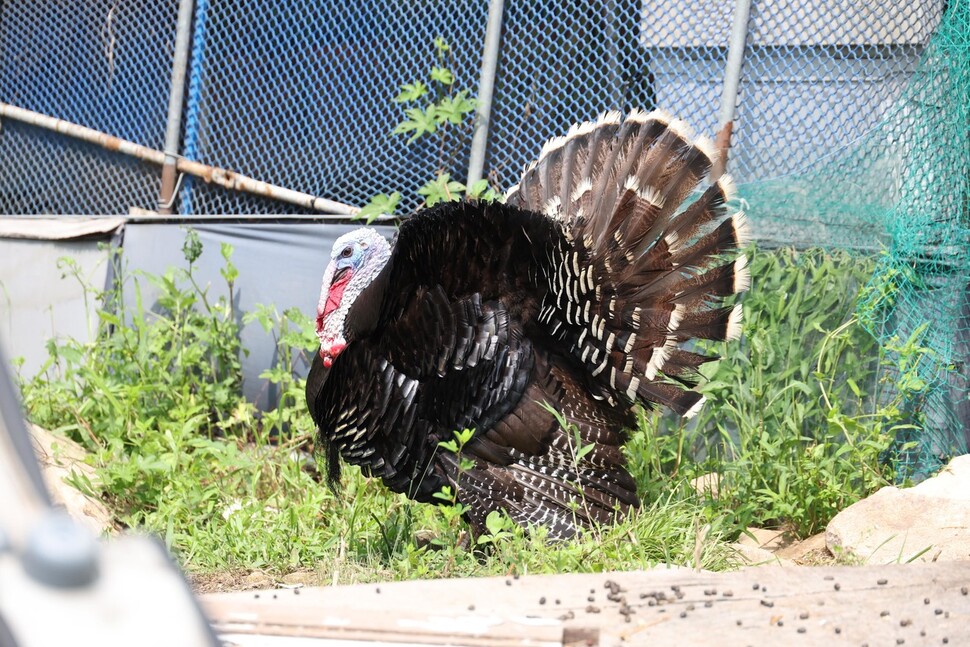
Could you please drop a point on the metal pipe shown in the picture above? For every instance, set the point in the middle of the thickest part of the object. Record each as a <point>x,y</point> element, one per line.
<point>192,104</point>
<point>732,81</point>
<point>486,88</point>
<point>175,96</point>
<point>223,177</point>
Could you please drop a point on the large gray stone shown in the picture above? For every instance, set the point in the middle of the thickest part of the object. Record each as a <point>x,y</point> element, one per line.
<point>59,457</point>
<point>928,522</point>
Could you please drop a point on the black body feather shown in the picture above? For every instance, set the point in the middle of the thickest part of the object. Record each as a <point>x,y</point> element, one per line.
<point>573,296</point>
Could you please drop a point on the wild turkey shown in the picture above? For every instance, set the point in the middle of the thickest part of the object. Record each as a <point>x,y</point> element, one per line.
<point>575,295</point>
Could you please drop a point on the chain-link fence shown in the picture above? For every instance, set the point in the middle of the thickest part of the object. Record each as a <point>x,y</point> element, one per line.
<point>299,93</point>
<point>849,122</point>
<point>105,65</point>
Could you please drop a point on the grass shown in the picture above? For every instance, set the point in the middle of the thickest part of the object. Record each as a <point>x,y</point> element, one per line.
<point>794,428</point>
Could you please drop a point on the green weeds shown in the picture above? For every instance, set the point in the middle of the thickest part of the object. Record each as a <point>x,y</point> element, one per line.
<point>793,427</point>
<point>796,424</point>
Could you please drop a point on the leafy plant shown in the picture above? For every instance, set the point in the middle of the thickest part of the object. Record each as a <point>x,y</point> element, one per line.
<point>441,189</point>
<point>794,425</point>
<point>435,107</point>
<point>156,398</point>
<point>379,205</point>
<point>800,423</point>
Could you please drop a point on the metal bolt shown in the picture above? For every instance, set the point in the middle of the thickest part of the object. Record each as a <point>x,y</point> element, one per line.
<point>60,552</point>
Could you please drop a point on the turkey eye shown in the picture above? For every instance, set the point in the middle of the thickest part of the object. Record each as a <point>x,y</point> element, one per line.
<point>346,252</point>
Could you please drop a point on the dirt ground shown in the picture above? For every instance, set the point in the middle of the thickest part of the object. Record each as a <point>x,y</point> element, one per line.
<point>766,547</point>
<point>247,580</point>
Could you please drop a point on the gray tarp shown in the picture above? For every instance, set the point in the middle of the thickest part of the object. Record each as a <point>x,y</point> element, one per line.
<point>280,264</point>
<point>39,297</point>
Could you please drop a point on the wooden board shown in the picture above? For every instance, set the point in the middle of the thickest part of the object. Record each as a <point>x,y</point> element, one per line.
<point>918,604</point>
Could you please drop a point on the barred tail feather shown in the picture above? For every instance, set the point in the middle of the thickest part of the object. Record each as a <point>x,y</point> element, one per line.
<point>643,273</point>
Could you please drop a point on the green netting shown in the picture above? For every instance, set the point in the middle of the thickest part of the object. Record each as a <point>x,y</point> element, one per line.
<point>903,188</point>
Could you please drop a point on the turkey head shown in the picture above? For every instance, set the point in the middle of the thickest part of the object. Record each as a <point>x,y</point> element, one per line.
<point>356,260</point>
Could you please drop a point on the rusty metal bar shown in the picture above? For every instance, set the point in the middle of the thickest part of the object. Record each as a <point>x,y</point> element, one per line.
<point>223,177</point>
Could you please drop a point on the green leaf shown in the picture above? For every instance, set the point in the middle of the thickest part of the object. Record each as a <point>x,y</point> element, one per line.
<point>411,92</point>
<point>192,247</point>
<point>379,205</point>
<point>418,122</point>
<point>585,449</point>
<point>449,445</point>
<point>442,75</point>
<point>477,189</point>
<point>441,45</point>
<point>445,494</point>
<point>855,387</point>
<point>441,189</point>
<point>454,109</point>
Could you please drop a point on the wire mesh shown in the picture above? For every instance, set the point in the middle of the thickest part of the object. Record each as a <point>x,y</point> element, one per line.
<point>815,112</point>
<point>300,93</point>
<point>310,104</point>
<point>103,64</point>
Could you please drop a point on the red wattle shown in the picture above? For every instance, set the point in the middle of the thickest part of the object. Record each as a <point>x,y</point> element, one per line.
<point>335,294</point>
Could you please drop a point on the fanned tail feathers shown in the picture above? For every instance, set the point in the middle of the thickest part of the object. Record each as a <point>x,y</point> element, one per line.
<point>641,272</point>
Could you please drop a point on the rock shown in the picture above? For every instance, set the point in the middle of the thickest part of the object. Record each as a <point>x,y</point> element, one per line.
<point>256,580</point>
<point>747,554</point>
<point>799,550</point>
<point>59,457</point>
<point>928,522</point>
<point>762,547</point>
<point>707,484</point>
<point>767,539</point>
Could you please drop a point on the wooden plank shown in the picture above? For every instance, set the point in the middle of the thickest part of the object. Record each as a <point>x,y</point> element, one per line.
<point>875,605</point>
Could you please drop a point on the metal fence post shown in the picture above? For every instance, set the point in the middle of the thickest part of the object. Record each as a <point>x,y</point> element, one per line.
<point>191,145</point>
<point>166,193</point>
<point>486,87</point>
<point>732,80</point>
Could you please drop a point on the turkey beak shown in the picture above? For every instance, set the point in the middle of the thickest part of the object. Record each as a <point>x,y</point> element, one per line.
<point>339,274</point>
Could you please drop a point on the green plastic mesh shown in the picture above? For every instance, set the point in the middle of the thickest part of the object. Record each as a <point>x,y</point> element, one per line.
<point>903,188</point>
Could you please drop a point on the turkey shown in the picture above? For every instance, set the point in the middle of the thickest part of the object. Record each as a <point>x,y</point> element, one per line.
<point>569,303</point>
